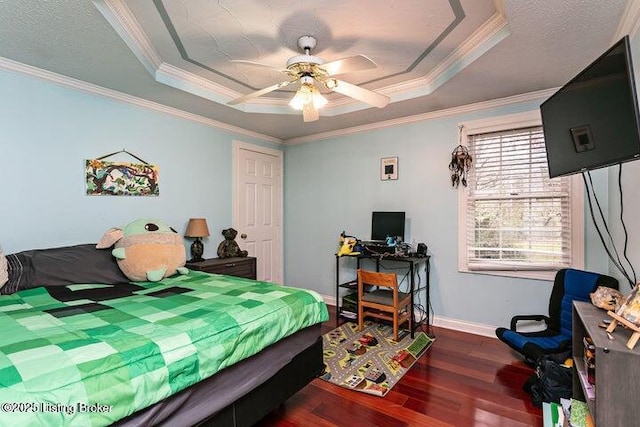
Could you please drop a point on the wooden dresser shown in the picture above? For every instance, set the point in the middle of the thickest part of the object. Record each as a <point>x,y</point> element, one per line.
<point>240,267</point>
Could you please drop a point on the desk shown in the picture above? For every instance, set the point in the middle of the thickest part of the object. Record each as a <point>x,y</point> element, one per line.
<point>411,262</point>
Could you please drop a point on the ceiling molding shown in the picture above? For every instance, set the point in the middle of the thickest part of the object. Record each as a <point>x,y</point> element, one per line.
<point>189,82</point>
<point>499,5</point>
<point>490,33</point>
<point>630,21</point>
<point>469,108</point>
<point>18,67</point>
<point>118,14</point>
<point>14,66</point>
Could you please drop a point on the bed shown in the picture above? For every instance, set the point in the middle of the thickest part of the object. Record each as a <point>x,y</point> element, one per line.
<point>90,348</point>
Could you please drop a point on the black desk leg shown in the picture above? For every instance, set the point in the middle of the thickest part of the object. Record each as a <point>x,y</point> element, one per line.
<point>428,292</point>
<point>337,291</point>
<point>412,288</point>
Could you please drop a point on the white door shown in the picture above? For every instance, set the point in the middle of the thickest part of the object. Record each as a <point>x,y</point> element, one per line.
<point>257,203</point>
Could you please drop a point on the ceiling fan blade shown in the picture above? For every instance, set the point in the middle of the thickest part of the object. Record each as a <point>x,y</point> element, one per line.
<point>348,65</point>
<point>309,113</point>
<point>365,95</point>
<point>260,92</point>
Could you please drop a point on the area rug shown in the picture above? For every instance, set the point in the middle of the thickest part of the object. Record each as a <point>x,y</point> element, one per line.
<point>370,361</point>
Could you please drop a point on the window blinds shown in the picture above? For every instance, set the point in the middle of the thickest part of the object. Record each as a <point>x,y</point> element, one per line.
<point>517,218</point>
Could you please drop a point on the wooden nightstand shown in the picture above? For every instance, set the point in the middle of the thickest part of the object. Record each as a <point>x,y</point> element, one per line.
<point>240,267</point>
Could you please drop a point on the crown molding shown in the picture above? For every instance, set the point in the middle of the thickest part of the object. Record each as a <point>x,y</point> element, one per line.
<point>18,67</point>
<point>181,79</point>
<point>469,108</point>
<point>118,14</point>
<point>630,21</point>
<point>494,30</point>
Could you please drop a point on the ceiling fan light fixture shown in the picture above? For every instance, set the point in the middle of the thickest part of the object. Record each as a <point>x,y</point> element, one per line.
<point>309,70</point>
<point>307,94</point>
<point>319,101</point>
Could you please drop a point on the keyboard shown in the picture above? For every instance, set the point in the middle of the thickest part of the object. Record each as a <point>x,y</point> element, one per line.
<point>380,249</point>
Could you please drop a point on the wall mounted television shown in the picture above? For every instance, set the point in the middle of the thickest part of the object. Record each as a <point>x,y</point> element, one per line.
<point>385,224</point>
<point>592,121</point>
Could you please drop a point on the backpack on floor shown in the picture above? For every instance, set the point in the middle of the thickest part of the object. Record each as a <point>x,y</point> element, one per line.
<point>551,381</point>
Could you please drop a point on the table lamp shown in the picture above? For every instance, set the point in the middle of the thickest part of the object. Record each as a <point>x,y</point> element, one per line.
<point>197,228</point>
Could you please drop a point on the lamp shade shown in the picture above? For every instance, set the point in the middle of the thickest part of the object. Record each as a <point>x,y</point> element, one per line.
<point>307,94</point>
<point>197,227</point>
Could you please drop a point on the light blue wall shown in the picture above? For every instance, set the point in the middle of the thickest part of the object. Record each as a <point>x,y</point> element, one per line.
<point>630,207</point>
<point>46,133</point>
<point>334,185</point>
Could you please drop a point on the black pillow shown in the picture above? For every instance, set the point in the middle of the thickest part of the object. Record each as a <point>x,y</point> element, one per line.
<point>62,266</point>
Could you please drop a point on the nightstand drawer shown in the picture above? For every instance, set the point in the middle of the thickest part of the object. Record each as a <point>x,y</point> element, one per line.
<point>240,267</point>
<point>236,268</point>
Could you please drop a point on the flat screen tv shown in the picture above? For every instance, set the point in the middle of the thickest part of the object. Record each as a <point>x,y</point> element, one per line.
<point>384,224</point>
<point>592,121</point>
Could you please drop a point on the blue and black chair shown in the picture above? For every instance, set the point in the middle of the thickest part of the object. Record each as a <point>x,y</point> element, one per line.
<point>569,285</point>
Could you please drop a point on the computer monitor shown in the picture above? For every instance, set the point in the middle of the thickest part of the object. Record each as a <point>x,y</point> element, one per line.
<point>387,224</point>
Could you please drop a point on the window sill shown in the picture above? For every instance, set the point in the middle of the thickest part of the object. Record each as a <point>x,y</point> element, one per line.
<point>521,274</point>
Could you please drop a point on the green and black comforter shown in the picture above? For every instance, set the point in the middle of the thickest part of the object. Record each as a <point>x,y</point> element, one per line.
<point>89,355</point>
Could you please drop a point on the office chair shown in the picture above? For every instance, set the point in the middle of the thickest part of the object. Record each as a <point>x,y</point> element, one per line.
<point>569,285</point>
<point>384,302</point>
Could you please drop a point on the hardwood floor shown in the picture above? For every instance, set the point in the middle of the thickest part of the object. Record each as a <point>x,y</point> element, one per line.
<point>463,380</point>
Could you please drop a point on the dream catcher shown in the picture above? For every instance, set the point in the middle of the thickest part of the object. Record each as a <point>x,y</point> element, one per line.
<point>460,163</point>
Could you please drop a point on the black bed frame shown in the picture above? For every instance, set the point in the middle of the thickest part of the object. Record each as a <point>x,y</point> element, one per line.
<point>252,407</point>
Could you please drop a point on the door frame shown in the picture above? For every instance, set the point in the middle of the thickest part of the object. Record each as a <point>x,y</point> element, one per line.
<point>240,145</point>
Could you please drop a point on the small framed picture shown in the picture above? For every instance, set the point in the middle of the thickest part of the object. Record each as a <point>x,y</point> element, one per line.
<point>388,168</point>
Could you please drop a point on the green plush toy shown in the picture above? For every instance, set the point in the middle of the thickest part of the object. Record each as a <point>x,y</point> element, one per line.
<point>146,249</point>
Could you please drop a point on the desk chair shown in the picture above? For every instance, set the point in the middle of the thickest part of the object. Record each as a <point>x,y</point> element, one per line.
<point>384,302</point>
<point>569,285</point>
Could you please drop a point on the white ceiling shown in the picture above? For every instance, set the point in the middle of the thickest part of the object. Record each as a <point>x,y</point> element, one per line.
<point>430,55</point>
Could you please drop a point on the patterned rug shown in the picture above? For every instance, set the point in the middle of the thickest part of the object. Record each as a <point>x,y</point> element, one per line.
<point>370,361</point>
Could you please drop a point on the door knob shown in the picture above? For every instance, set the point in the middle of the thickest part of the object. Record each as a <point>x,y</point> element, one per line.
<point>243,236</point>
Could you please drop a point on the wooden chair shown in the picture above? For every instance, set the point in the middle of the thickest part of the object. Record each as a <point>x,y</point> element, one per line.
<point>384,302</point>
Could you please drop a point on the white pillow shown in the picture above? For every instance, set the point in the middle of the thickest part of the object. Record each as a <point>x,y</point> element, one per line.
<point>4,275</point>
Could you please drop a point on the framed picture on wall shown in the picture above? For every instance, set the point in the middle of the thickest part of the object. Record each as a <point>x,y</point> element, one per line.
<point>388,168</point>
<point>121,178</point>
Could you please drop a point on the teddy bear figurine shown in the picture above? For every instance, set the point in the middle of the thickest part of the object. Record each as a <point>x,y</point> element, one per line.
<point>229,248</point>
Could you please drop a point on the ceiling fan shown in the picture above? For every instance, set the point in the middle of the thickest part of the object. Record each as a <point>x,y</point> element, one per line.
<point>309,69</point>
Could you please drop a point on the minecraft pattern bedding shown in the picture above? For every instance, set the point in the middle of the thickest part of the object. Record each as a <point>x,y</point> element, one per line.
<point>93,354</point>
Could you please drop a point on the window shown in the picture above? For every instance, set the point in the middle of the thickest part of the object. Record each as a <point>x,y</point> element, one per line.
<point>514,220</point>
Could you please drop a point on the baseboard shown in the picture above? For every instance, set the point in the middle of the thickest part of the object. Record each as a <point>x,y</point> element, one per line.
<point>329,300</point>
<point>464,326</point>
<point>445,322</point>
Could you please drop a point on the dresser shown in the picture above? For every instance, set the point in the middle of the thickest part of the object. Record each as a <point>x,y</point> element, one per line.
<point>240,267</point>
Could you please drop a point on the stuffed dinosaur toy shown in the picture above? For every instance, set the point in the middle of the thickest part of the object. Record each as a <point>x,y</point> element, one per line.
<point>146,249</point>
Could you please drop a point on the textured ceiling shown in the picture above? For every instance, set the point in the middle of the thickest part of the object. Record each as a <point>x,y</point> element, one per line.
<point>430,55</point>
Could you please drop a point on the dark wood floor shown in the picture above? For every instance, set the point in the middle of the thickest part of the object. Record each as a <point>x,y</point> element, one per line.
<point>463,380</point>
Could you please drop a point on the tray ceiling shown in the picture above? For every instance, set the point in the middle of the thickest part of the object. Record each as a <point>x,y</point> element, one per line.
<point>430,55</point>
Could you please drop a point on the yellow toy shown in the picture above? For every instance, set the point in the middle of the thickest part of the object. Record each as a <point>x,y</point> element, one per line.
<point>347,244</point>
